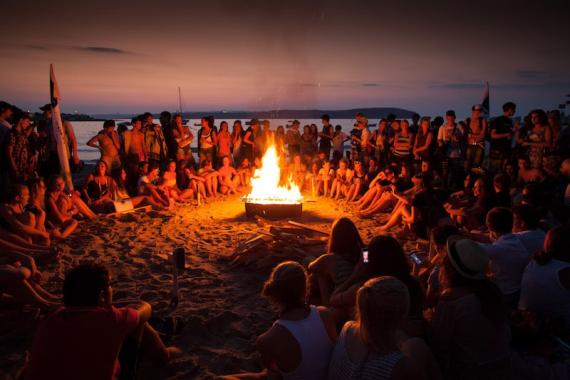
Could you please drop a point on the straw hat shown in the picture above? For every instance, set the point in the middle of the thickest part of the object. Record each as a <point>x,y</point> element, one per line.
<point>467,257</point>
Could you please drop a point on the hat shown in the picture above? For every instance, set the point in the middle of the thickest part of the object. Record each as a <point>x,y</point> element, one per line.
<point>46,107</point>
<point>477,107</point>
<point>467,257</point>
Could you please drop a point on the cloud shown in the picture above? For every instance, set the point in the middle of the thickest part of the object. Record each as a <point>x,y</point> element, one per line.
<point>530,74</point>
<point>371,85</point>
<point>458,85</point>
<point>101,50</point>
<point>37,47</point>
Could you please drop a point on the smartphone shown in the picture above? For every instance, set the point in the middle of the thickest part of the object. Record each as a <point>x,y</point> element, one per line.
<point>416,258</point>
<point>364,255</point>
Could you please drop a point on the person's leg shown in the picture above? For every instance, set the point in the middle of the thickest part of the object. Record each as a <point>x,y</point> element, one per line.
<point>68,227</point>
<point>13,281</point>
<point>84,209</point>
<point>395,218</point>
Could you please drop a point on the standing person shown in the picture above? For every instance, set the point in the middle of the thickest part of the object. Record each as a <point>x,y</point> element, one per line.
<point>450,141</point>
<point>182,138</point>
<point>266,137</point>
<point>538,138</point>
<point>6,112</point>
<point>423,142</point>
<point>107,141</point>
<point>380,140</point>
<point>293,139</point>
<point>64,349</point>
<point>403,143</point>
<point>207,138</point>
<point>69,137</point>
<point>249,140</point>
<point>502,132</point>
<point>155,144</point>
<point>135,149</point>
<point>147,121</point>
<point>476,133</point>
<point>415,126</point>
<point>165,120</point>
<point>237,141</point>
<point>307,151</point>
<point>280,141</point>
<point>22,161</point>
<point>224,142</point>
<point>326,135</point>
<point>339,138</point>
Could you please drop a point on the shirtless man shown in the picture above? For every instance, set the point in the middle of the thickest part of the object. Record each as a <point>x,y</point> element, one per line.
<point>108,143</point>
<point>135,150</point>
<point>229,178</point>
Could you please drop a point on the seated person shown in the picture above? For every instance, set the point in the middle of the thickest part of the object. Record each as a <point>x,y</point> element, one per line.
<point>386,198</point>
<point>169,180</point>
<point>98,188</point>
<point>332,269</point>
<point>83,338</point>
<point>196,182</point>
<point>16,218</point>
<point>373,346</point>
<point>342,181</point>
<point>300,342</point>
<point>120,193</point>
<point>385,258</point>
<point>502,191</point>
<point>311,178</point>
<point>526,226</point>
<point>245,172</point>
<point>420,212</point>
<point>229,178</point>
<point>358,185</point>
<point>507,254</point>
<point>37,206</point>
<point>149,184</point>
<point>545,285</point>
<point>471,216</point>
<point>210,176</point>
<point>297,171</point>
<point>375,189</point>
<point>461,198</point>
<point>62,205</point>
<point>20,281</point>
<point>468,329</point>
<point>325,178</point>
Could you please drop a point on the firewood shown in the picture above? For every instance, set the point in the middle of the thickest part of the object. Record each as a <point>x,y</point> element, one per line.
<point>308,228</point>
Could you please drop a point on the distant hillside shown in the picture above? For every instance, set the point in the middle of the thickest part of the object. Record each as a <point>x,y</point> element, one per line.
<point>371,113</point>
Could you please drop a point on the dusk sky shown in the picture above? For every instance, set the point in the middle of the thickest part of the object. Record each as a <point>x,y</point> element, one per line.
<point>127,56</point>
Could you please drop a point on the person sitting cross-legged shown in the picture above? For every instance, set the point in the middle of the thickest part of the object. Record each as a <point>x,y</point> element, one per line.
<point>82,340</point>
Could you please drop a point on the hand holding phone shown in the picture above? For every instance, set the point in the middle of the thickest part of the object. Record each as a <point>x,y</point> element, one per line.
<point>364,252</point>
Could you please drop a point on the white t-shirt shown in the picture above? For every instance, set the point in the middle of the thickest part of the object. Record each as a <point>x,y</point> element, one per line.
<point>509,258</point>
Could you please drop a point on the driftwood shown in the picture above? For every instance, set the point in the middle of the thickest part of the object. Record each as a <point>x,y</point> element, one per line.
<point>308,228</point>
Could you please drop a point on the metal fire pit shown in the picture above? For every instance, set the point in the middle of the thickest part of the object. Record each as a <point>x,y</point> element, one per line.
<point>273,210</point>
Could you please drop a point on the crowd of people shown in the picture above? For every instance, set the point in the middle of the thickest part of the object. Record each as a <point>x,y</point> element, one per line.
<point>491,196</point>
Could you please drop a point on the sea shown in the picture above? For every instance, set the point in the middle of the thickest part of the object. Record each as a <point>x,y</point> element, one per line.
<point>84,130</point>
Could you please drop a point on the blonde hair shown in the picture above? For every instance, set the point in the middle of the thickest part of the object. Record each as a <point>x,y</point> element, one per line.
<point>381,304</point>
<point>287,284</point>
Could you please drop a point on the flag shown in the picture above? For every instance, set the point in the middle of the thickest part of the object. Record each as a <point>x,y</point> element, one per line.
<point>485,102</point>
<point>57,131</point>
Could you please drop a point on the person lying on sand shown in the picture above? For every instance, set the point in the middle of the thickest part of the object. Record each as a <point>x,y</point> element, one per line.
<point>82,340</point>
<point>287,349</point>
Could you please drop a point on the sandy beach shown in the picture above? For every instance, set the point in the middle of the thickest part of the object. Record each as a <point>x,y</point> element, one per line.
<point>219,301</point>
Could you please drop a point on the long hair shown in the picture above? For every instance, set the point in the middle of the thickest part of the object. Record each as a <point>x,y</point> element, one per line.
<point>490,297</point>
<point>381,304</point>
<point>345,240</point>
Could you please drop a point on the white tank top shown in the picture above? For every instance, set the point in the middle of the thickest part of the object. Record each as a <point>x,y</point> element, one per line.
<point>315,344</point>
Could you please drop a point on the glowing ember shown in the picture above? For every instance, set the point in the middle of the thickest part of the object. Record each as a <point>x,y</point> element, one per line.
<point>265,186</point>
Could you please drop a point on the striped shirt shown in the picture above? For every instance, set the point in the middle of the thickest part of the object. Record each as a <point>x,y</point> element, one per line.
<point>372,367</point>
<point>403,145</point>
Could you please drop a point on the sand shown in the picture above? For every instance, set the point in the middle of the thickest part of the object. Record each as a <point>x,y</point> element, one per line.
<point>219,302</point>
